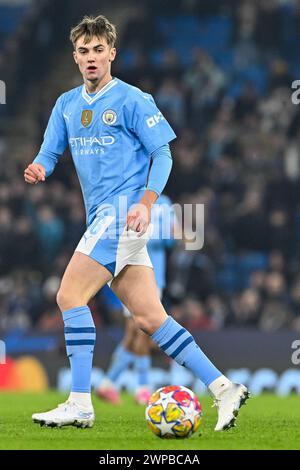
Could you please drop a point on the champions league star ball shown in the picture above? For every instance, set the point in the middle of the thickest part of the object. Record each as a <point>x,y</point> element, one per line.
<point>173,412</point>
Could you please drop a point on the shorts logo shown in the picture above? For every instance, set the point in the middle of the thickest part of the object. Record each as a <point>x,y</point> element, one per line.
<point>109,117</point>
<point>86,117</point>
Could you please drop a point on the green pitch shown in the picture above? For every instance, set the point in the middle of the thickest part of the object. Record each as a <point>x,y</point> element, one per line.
<point>266,422</point>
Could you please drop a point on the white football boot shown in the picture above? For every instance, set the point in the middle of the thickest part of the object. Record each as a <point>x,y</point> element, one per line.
<point>66,414</point>
<point>228,403</point>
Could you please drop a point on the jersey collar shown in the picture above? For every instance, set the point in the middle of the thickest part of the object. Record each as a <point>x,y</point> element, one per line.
<point>91,99</point>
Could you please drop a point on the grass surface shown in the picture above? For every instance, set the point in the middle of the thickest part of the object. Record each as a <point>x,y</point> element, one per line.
<point>266,422</point>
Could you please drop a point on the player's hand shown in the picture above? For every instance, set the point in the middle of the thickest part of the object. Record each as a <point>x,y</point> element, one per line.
<point>138,218</point>
<point>34,173</point>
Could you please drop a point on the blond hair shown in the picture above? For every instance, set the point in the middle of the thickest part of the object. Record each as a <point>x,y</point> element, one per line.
<point>91,26</point>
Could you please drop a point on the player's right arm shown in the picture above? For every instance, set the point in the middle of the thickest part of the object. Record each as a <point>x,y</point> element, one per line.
<point>54,145</point>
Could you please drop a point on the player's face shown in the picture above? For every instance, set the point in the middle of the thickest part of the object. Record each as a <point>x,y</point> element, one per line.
<point>94,58</point>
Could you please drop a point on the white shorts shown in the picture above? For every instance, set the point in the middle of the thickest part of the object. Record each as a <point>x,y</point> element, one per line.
<point>108,242</point>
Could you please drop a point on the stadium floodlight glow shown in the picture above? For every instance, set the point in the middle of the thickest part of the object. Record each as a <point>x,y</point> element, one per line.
<point>2,352</point>
<point>2,92</point>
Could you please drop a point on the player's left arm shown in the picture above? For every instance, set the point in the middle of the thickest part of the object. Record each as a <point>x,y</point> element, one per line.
<point>139,217</point>
<point>155,133</point>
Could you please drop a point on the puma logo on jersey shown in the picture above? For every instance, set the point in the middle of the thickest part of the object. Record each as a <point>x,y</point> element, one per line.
<point>67,116</point>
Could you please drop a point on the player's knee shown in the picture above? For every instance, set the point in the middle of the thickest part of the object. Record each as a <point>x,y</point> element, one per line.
<point>66,300</point>
<point>147,316</point>
<point>147,324</point>
<point>143,324</point>
<point>61,299</point>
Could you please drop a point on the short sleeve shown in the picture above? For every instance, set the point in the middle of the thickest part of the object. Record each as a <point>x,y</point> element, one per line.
<point>147,121</point>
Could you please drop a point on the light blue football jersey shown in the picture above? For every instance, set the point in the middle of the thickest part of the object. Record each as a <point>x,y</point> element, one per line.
<point>110,134</point>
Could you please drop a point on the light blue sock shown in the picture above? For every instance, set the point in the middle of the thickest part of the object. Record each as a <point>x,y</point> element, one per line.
<point>118,351</point>
<point>179,344</point>
<point>121,361</point>
<point>142,365</point>
<point>80,335</point>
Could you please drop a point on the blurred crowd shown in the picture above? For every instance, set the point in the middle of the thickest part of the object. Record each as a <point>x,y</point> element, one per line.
<point>237,152</point>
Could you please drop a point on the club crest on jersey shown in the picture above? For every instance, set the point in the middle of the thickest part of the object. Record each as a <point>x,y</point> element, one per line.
<point>86,117</point>
<point>109,117</point>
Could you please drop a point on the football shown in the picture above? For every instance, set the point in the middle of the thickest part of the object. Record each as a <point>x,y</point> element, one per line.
<point>173,411</point>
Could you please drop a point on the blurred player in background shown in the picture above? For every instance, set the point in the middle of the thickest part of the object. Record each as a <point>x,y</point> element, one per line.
<point>114,132</point>
<point>135,348</point>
